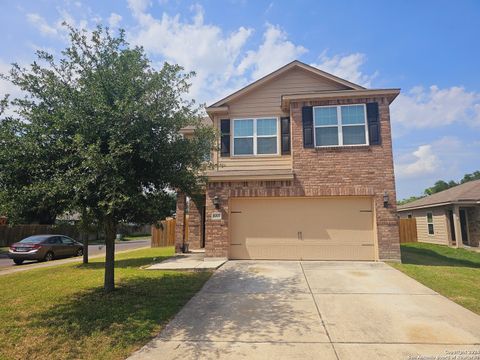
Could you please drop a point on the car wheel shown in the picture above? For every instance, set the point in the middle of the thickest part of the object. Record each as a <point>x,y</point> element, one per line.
<point>48,256</point>
<point>79,252</point>
<point>18,261</point>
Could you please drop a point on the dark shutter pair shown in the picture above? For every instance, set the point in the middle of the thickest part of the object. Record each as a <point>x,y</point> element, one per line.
<point>373,122</point>
<point>225,136</point>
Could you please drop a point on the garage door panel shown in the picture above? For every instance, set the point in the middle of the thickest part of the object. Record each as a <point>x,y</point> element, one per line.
<point>301,228</point>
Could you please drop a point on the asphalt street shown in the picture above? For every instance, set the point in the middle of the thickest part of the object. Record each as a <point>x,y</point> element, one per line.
<point>93,250</point>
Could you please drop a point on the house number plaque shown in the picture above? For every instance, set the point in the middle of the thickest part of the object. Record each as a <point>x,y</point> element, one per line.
<point>216,215</point>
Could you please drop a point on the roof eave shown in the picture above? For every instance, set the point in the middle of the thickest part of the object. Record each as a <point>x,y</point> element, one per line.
<point>444,203</point>
<point>216,110</point>
<point>390,94</point>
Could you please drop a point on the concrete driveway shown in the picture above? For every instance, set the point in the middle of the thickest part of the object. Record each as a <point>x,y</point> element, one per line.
<point>315,310</point>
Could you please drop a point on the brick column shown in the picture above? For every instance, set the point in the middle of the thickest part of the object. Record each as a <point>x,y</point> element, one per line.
<point>216,237</point>
<point>195,224</point>
<point>180,221</point>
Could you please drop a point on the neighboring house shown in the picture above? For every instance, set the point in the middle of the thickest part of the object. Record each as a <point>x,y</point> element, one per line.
<point>444,217</point>
<point>304,171</point>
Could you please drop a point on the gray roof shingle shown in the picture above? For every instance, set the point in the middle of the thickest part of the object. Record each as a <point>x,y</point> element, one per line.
<point>469,191</point>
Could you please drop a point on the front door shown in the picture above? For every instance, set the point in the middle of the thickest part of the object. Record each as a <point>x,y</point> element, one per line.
<point>463,226</point>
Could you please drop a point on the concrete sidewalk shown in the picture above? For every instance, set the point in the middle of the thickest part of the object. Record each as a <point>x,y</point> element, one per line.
<point>190,261</point>
<point>315,310</point>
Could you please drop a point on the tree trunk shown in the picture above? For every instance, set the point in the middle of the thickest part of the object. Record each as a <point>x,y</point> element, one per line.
<point>85,248</point>
<point>110,232</point>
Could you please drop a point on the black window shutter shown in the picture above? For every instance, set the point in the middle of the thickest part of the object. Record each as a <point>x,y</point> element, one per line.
<point>285,135</point>
<point>225,137</point>
<point>307,121</point>
<point>373,119</point>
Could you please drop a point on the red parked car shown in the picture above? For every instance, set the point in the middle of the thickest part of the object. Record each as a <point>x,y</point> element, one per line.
<point>44,248</point>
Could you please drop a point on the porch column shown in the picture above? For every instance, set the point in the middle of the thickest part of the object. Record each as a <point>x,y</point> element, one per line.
<point>457,226</point>
<point>180,222</point>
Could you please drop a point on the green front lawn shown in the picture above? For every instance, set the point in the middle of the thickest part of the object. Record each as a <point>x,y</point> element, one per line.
<point>137,237</point>
<point>454,273</point>
<point>125,238</point>
<point>61,312</point>
<point>4,250</point>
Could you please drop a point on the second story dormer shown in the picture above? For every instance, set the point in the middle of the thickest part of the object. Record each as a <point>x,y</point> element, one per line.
<point>267,127</point>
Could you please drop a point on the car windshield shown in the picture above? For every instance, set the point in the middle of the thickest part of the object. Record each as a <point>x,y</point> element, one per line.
<point>34,239</point>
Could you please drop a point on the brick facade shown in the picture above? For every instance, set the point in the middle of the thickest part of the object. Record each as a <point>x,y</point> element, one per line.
<point>473,215</point>
<point>180,221</point>
<point>195,223</point>
<point>342,171</point>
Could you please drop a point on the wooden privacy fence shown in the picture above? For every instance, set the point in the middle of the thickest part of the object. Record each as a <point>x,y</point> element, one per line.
<point>12,234</point>
<point>163,233</point>
<point>408,230</point>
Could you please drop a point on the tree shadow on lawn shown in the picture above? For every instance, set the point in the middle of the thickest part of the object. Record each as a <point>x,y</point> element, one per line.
<point>126,263</point>
<point>422,256</point>
<point>93,321</point>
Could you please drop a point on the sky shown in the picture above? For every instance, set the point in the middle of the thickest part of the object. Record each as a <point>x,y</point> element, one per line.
<point>429,49</point>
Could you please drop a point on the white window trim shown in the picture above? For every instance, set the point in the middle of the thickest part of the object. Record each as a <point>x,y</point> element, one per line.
<point>428,223</point>
<point>255,136</point>
<point>339,126</point>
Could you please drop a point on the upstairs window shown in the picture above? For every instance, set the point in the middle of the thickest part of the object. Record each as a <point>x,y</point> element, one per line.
<point>344,125</point>
<point>255,136</point>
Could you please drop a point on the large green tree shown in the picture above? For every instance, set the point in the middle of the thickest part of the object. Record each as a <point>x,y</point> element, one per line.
<point>98,131</point>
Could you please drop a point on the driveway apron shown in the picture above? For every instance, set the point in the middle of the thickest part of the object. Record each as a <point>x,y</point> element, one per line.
<point>314,310</point>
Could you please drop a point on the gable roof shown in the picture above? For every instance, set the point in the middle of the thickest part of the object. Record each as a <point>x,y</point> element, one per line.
<point>467,192</point>
<point>280,71</point>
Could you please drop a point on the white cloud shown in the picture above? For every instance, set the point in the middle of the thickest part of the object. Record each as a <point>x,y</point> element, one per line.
<point>447,158</point>
<point>114,19</point>
<point>193,44</point>
<point>275,51</point>
<point>41,24</point>
<point>423,162</point>
<point>346,67</point>
<point>6,87</point>
<point>435,107</point>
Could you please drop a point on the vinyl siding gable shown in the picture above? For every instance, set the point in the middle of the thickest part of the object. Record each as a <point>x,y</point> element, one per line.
<point>266,100</point>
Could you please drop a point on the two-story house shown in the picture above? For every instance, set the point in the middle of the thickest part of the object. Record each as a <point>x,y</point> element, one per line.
<point>304,171</point>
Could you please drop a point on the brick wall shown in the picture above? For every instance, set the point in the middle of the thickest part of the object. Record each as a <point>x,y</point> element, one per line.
<point>473,215</point>
<point>194,225</point>
<point>179,223</point>
<point>195,229</point>
<point>364,170</point>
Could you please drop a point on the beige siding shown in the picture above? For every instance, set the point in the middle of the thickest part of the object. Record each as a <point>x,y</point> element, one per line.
<point>255,163</point>
<point>232,163</point>
<point>440,226</point>
<point>266,100</point>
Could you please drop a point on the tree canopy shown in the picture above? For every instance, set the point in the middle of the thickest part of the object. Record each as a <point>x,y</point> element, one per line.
<point>98,130</point>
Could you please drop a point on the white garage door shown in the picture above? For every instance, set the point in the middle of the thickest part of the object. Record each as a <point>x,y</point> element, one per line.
<point>302,228</point>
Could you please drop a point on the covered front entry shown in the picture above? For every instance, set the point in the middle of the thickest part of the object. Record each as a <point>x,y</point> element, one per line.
<point>335,228</point>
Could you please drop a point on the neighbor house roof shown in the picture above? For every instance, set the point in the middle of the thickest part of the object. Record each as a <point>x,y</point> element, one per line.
<point>187,130</point>
<point>468,192</point>
<point>280,71</point>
